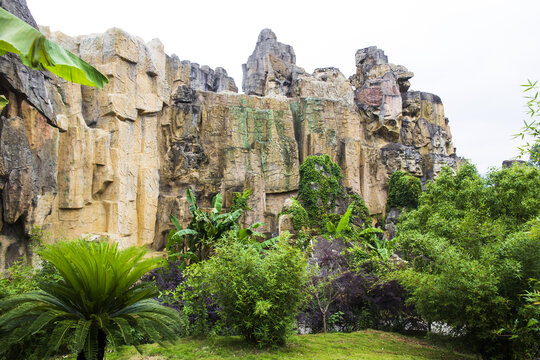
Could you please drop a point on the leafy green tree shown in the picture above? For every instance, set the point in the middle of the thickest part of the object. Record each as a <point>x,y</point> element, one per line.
<point>472,245</point>
<point>97,299</point>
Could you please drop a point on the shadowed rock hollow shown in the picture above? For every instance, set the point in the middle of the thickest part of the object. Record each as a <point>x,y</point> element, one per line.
<point>75,160</point>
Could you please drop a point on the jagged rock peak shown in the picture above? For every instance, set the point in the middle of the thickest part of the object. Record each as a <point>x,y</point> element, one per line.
<point>271,68</point>
<point>198,77</point>
<point>372,63</point>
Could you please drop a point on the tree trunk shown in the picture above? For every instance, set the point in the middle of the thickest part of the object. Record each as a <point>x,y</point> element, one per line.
<point>102,344</point>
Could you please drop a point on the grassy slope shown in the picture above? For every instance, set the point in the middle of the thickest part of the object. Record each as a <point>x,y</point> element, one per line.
<point>368,344</point>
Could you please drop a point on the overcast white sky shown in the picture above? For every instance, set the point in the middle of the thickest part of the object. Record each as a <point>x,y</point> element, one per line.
<point>473,54</point>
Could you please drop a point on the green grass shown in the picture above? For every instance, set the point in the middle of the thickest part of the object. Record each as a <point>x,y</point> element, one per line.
<point>369,344</point>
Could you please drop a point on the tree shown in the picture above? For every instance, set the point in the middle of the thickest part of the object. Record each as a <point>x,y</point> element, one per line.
<point>531,128</point>
<point>96,300</point>
<point>472,245</point>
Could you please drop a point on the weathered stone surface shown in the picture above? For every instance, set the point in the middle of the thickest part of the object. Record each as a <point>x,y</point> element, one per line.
<point>509,163</point>
<point>120,160</point>
<point>271,69</point>
<point>196,77</point>
<point>16,177</point>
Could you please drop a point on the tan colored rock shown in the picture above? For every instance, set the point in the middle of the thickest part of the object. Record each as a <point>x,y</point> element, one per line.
<point>118,161</point>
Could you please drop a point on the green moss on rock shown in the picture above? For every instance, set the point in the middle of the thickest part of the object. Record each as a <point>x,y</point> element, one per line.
<point>319,187</point>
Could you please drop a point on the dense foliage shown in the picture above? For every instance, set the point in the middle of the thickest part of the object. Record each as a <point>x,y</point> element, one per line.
<point>473,244</point>
<point>351,290</point>
<point>300,217</point>
<point>319,186</point>
<point>95,300</point>
<point>403,191</point>
<point>258,292</point>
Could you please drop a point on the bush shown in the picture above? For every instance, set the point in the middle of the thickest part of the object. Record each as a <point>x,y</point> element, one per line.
<point>259,292</point>
<point>403,191</point>
<point>472,252</point>
<point>352,294</point>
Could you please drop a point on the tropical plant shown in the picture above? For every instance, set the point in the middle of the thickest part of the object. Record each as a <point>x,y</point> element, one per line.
<point>194,243</point>
<point>97,299</point>
<point>3,102</point>
<point>384,247</point>
<point>343,224</point>
<point>38,52</point>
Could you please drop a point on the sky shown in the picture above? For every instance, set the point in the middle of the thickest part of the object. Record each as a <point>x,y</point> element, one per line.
<point>474,54</point>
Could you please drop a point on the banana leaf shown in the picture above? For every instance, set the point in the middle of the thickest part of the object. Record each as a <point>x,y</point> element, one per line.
<point>38,52</point>
<point>344,221</point>
<point>3,102</point>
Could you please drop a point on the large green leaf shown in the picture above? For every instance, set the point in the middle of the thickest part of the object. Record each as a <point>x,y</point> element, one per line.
<point>344,221</point>
<point>3,102</point>
<point>38,52</point>
<point>217,204</point>
<point>176,223</point>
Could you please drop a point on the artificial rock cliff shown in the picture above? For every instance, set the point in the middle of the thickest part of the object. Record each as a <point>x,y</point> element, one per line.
<point>75,160</point>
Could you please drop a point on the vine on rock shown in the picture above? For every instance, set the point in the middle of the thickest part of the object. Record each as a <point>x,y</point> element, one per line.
<point>319,187</point>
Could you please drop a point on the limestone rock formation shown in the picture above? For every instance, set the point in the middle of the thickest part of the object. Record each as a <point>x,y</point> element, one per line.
<point>271,69</point>
<point>117,162</point>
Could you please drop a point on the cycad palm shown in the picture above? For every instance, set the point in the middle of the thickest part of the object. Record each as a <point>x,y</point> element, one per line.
<point>96,300</point>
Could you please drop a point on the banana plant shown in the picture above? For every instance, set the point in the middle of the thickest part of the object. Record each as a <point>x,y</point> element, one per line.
<point>194,243</point>
<point>38,52</point>
<point>343,224</point>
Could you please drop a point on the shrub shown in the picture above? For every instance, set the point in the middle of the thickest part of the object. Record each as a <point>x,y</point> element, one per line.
<point>356,292</point>
<point>259,292</point>
<point>403,191</point>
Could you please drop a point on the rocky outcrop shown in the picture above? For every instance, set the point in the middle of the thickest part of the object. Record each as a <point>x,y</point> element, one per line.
<point>271,69</point>
<point>117,162</point>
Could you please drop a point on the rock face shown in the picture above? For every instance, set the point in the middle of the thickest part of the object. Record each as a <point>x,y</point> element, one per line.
<point>117,162</point>
<point>271,69</point>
